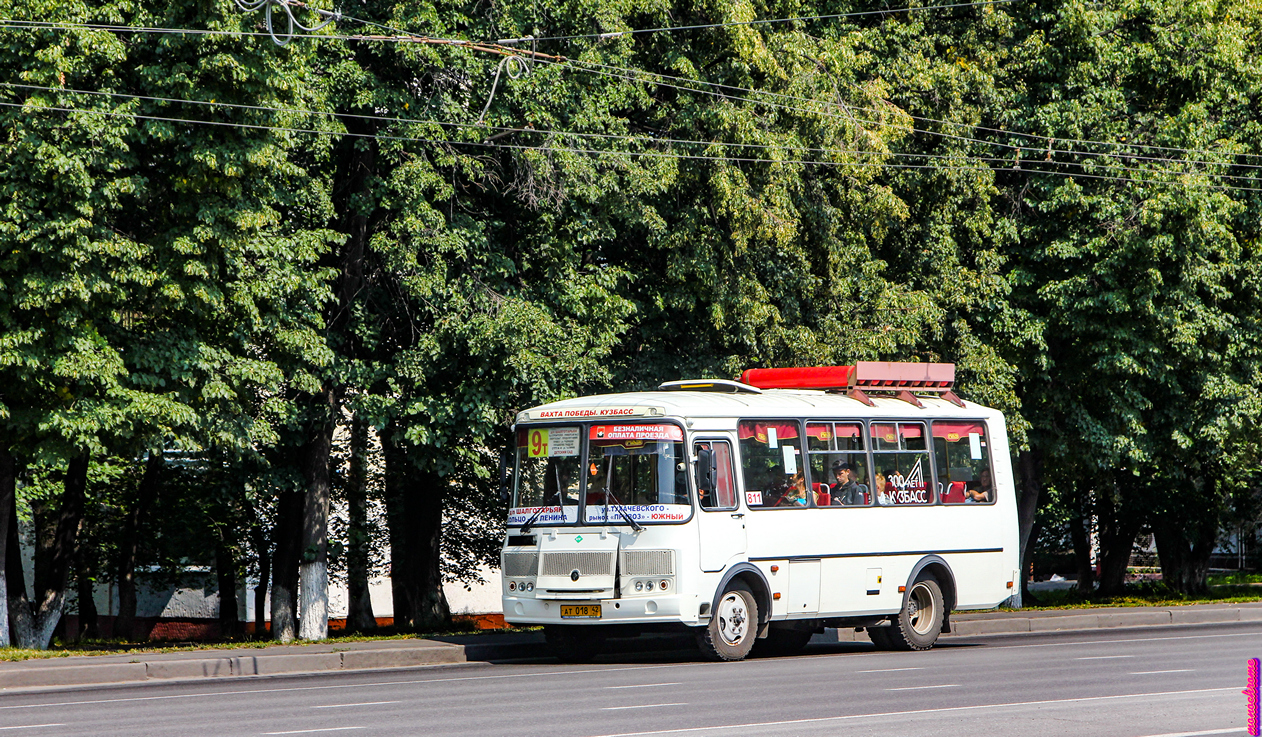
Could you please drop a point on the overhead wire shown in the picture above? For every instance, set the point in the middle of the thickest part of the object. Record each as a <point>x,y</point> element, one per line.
<point>762,21</point>
<point>603,136</point>
<point>622,72</point>
<point>608,152</point>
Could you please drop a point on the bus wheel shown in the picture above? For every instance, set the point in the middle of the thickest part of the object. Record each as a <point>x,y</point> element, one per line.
<point>920,622</point>
<point>779,642</point>
<point>733,627</point>
<point>573,644</point>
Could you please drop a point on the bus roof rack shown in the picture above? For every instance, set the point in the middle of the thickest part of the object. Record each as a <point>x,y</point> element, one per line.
<point>708,385</point>
<point>863,377</point>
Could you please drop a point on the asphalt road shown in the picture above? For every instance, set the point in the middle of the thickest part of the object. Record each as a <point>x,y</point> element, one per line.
<point>1126,683</point>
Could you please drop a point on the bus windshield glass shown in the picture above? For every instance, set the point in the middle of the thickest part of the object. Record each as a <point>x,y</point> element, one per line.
<point>637,471</point>
<point>546,482</point>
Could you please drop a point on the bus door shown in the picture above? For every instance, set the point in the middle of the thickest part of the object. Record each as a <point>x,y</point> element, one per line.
<point>720,522</point>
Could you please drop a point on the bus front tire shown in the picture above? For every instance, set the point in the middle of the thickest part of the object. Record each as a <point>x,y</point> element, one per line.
<point>733,627</point>
<point>920,621</point>
<point>574,644</point>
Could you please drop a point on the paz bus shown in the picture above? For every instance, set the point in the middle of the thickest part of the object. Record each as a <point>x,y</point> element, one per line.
<point>757,512</point>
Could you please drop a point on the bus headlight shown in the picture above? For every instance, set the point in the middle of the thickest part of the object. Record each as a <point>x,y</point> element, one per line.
<point>639,585</point>
<point>530,586</point>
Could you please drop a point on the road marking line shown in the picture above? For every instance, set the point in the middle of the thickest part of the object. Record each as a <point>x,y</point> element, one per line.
<point>917,688</point>
<point>34,726</point>
<point>978,707</point>
<point>639,706</point>
<point>647,685</point>
<point>1232,730</point>
<point>310,731</point>
<point>1105,657</point>
<point>1154,672</point>
<point>886,670</point>
<point>366,703</point>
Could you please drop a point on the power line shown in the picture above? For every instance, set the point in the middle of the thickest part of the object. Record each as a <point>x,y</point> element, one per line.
<point>603,136</point>
<point>405,37</point>
<point>607,152</point>
<point>616,34</point>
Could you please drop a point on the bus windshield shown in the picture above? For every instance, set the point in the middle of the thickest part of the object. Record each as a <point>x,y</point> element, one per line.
<point>637,470</point>
<point>546,484</point>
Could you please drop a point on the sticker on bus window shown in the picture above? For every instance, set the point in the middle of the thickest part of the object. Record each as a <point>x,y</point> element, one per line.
<point>772,442</point>
<point>753,498</point>
<point>552,442</point>
<point>975,446</point>
<point>790,459</point>
<point>635,432</point>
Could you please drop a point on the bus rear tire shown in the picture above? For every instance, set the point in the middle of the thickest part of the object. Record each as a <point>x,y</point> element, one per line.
<point>574,644</point>
<point>920,621</point>
<point>733,627</point>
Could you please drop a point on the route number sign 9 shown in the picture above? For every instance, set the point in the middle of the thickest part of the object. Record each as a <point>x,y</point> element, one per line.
<point>537,443</point>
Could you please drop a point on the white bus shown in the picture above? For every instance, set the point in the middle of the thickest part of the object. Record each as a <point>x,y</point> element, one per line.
<point>759,512</point>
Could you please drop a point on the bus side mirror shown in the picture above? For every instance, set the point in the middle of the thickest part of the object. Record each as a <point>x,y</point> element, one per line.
<point>505,494</point>
<point>706,471</point>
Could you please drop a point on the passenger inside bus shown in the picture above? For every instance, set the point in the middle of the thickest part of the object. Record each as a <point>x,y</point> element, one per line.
<point>795,495</point>
<point>981,491</point>
<point>884,488</point>
<point>847,491</point>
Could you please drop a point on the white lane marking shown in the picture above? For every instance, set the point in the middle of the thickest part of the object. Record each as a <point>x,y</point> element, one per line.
<point>978,707</point>
<point>1098,642</point>
<point>647,685</point>
<point>639,706</point>
<point>1154,672</point>
<point>917,688</point>
<point>311,731</point>
<point>886,670</point>
<point>1231,730</point>
<point>1105,657</point>
<point>366,703</point>
<point>34,726</point>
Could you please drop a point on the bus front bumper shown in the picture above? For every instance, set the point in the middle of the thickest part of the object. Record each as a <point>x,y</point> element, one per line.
<point>612,611</point>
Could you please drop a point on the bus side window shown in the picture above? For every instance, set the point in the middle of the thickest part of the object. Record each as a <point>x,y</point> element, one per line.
<point>772,464</point>
<point>962,454</point>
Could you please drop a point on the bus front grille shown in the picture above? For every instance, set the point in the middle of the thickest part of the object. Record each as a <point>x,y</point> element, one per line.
<point>587,564</point>
<point>521,564</point>
<point>647,563</point>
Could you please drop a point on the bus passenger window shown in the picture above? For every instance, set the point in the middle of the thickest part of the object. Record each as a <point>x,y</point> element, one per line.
<point>839,464</point>
<point>963,458</point>
<point>900,463</point>
<point>771,464</point>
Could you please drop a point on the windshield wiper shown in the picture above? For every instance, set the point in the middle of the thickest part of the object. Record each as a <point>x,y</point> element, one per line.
<point>609,499</point>
<point>526,527</point>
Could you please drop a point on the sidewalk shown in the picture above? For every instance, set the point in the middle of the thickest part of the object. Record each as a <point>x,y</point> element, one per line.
<point>293,659</point>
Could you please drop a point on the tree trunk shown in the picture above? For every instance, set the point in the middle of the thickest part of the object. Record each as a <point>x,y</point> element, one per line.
<point>1031,464</point>
<point>288,539</point>
<point>258,538</point>
<point>314,610</point>
<point>1080,535</point>
<point>359,615</point>
<point>226,577</point>
<point>129,545</point>
<point>22,629</point>
<point>8,501</point>
<point>85,576</point>
<point>35,621</point>
<point>1118,525</point>
<point>415,513</point>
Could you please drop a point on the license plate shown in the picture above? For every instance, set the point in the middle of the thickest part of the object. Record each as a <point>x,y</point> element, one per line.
<point>580,611</point>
